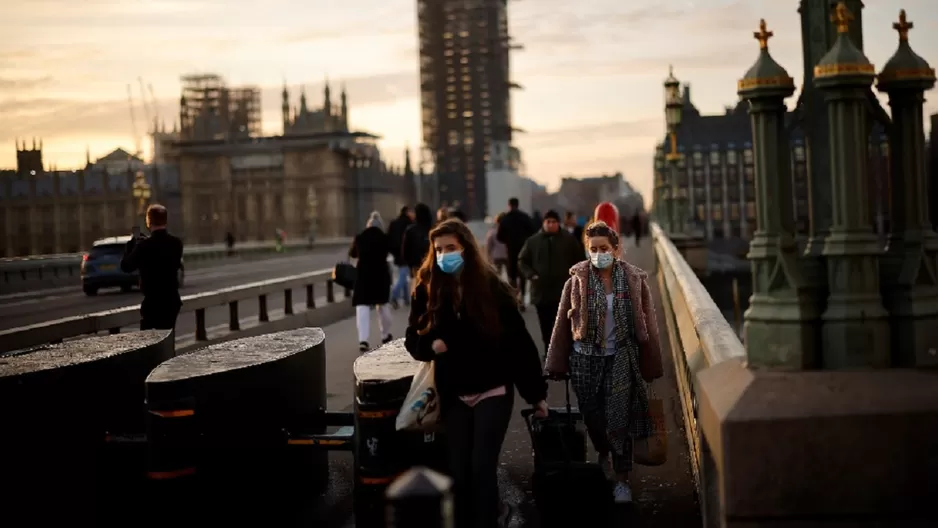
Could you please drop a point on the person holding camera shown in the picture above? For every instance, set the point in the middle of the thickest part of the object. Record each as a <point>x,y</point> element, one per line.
<point>158,258</point>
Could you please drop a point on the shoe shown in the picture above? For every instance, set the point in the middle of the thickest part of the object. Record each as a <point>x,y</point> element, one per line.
<point>394,304</point>
<point>605,463</point>
<point>622,494</point>
<point>363,346</point>
<point>387,339</point>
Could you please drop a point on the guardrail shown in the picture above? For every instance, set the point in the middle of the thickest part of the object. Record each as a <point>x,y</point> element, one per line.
<point>48,267</point>
<point>16,339</point>
<point>700,338</point>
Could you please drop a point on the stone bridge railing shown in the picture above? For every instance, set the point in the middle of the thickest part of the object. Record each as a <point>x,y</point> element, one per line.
<point>700,338</point>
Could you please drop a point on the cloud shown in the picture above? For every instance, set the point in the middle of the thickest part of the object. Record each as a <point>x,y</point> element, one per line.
<point>587,134</point>
<point>24,84</point>
<point>50,117</point>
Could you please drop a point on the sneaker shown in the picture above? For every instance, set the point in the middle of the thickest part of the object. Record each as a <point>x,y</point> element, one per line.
<point>387,339</point>
<point>622,494</point>
<point>605,463</point>
<point>363,346</point>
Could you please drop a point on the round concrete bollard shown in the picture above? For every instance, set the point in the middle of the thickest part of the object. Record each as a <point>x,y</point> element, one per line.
<point>60,406</point>
<point>217,423</point>
<point>382,380</point>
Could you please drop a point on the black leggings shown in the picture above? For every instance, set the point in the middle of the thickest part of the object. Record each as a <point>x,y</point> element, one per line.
<point>475,436</point>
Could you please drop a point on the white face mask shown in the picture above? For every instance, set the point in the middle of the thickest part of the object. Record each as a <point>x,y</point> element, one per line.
<point>601,260</point>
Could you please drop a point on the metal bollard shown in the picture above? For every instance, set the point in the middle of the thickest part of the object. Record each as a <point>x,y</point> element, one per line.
<point>420,498</point>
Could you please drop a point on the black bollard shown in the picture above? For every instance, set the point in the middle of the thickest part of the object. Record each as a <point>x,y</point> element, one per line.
<point>217,422</point>
<point>420,498</point>
<point>73,418</point>
<point>382,380</point>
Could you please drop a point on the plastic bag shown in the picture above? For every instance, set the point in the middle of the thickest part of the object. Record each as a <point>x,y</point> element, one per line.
<point>421,409</point>
<point>653,451</point>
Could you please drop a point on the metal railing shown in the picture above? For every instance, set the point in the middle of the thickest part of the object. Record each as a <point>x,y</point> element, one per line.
<point>15,339</point>
<point>42,267</point>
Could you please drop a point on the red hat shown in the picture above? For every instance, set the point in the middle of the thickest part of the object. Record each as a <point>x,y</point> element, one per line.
<point>608,213</point>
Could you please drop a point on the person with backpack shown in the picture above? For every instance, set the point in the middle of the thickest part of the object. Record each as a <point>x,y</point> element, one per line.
<point>416,242</point>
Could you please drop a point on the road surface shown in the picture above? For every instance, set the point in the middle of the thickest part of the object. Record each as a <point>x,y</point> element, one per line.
<point>21,309</point>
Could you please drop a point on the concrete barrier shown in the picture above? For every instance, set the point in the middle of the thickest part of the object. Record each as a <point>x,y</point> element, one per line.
<point>217,429</point>
<point>60,405</point>
<point>382,380</point>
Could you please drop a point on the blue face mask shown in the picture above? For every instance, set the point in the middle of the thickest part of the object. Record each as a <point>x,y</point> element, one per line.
<point>450,262</point>
<point>601,260</point>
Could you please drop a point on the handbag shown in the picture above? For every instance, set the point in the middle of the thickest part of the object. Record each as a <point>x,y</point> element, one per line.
<point>344,274</point>
<point>421,408</point>
<point>653,451</point>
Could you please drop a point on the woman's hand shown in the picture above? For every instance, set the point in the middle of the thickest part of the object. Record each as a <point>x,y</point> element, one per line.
<point>540,409</point>
<point>438,346</point>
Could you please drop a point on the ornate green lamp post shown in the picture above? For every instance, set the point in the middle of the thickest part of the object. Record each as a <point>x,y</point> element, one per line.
<point>856,325</point>
<point>909,281</point>
<point>673,108</point>
<point>781,325</point>
<point>141,193</point>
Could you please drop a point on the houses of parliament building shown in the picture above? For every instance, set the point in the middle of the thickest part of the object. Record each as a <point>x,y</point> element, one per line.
<point>215,173</point>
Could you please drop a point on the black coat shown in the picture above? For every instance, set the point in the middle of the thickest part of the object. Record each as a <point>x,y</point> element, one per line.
<point>514,230</point>
<point>373,279</point>
<point>396,238</point>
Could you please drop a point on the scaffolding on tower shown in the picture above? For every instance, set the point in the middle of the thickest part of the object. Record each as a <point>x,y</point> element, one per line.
<point>210,109</point>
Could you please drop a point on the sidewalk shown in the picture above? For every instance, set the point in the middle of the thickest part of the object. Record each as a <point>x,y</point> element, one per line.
<point>664,496</point>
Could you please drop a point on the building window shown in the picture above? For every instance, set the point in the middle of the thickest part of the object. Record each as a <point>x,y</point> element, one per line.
<point>747,156</point>
<point>714,158</point>
<point>716,194</point>
<point>750,174</point>
<point>731,157</point>
<point>751,210</point>
<point>698,159</point>
<point>701,213</point>
<point>717,213</point>
<point>734,211</point>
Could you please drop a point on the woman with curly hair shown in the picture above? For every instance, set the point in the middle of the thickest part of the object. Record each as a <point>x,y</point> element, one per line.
<point>466,320</point>
<point>606,338</point>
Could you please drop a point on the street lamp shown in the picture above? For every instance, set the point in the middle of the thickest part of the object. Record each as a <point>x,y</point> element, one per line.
<point>673,110</point>
<point>141,192</point>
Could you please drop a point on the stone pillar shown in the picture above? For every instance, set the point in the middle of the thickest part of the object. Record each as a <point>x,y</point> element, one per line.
<point>781,322</point>
<point>909,281</point>
<point>856,326</point>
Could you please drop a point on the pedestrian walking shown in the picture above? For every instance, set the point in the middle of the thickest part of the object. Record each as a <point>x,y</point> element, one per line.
<point>513,231</point>
<point>574,228</point>
<point>416,245</point>
<point>466,320</point>
<point>372,280</point>
<point>396,229</point>
<point>158,259</point>
<point>496,251</point>
<point>545,260</point>
<point>606,338</point>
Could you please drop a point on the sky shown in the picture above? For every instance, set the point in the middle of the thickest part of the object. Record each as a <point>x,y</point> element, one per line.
<point>591,70</point>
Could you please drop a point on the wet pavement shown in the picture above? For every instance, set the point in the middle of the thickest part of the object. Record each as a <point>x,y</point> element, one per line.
<point>664,496</point>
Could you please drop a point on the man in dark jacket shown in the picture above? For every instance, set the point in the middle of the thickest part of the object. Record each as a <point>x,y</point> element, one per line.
<point>513,231</point>
<point>158,258</point>
<point>396,230</point>
<point>416,243</point>
<point>545,260</point>
<point>575,229</point>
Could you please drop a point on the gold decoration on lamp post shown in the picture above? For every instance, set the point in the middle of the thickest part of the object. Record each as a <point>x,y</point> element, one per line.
<point>141,192</point>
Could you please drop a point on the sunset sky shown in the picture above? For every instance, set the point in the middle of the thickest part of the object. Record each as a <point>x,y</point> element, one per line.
<point>591,69</point>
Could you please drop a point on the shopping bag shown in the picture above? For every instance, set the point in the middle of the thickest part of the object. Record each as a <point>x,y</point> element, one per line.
<point>344,274</point>
<point>653,451</point>
<point>421,409</point>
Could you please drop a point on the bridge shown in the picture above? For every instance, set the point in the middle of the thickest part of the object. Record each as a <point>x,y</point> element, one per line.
<point>821,411</point>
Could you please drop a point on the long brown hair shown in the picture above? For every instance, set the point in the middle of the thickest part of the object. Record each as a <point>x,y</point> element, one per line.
<point>477,277</point>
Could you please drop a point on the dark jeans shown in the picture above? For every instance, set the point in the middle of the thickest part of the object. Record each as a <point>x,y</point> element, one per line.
<point>546,316</point>
<point>475,436</point>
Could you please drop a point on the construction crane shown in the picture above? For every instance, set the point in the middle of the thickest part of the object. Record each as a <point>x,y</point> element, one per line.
<point>146,105</point>
<point>155,105</point>
<point>133,121</point>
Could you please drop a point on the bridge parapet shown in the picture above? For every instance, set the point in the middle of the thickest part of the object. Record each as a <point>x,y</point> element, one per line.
<point>803,447</point>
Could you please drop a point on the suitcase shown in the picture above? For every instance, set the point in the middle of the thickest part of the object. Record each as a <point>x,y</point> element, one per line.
<point>568,490</point>
<point>344,274</point>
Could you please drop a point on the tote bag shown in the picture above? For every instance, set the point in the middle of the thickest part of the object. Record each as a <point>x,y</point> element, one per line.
<point>421,409</point>
<point>653,451</point>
